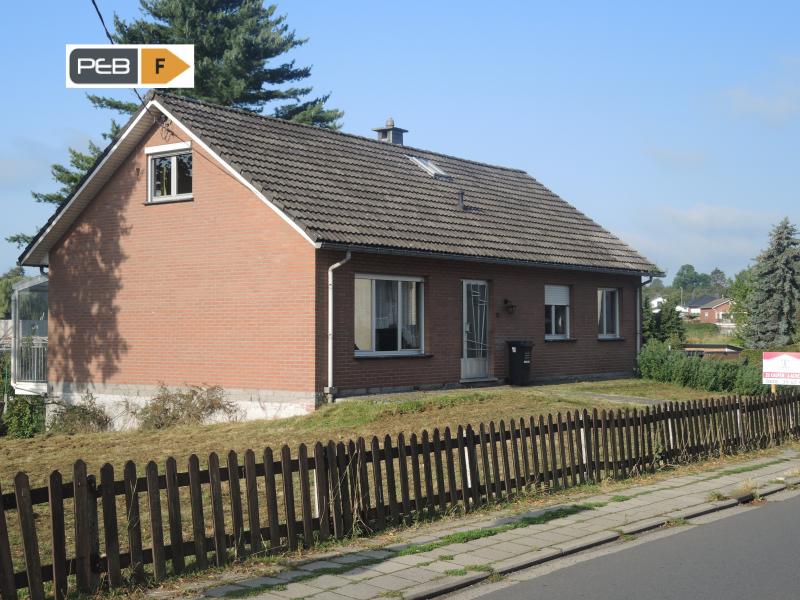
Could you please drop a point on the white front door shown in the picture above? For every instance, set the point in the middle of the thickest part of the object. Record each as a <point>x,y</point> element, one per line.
<point>475,346</point>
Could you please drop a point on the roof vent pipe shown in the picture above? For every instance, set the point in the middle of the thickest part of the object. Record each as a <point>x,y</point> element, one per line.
<point>461,205</point>
<point>390,133</point>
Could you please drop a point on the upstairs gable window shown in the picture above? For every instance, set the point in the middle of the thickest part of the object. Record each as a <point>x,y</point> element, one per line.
<point>169,172</point>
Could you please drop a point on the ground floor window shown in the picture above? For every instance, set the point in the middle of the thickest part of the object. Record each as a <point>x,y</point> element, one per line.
<point>556,312</point>
<point>607,313</point>
<point>388,314</point>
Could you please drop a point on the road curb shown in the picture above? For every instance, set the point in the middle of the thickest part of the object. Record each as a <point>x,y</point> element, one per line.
<point>446,587</point>
<point>547,554</point>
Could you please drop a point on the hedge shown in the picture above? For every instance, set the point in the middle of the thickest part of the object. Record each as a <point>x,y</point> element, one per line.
<point>657,361</point>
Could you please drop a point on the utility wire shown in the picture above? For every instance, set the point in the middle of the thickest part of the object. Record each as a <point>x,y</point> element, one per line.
<point>111,39</point>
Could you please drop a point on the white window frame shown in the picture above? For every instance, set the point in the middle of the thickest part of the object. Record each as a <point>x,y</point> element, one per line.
<point>165,151</point>
<point>421,310</point>
<point>558,336</point>
<point>615,335</point>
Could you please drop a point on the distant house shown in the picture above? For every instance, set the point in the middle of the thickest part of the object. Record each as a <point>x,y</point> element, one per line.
<point>694,306</point>
<point>657,303</point>
<point>293,264</point>
<point>716,311</point>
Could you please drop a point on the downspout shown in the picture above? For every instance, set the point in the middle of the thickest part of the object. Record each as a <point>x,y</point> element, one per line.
<point>639,309</point>
<point>330,390</point>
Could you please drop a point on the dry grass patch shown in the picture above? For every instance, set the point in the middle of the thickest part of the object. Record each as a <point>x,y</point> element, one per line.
<point>377,415</point>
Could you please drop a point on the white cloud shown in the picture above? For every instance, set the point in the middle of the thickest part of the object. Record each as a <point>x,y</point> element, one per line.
<point>777,107</point>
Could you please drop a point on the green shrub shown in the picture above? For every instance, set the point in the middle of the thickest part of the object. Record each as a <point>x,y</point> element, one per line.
<point>194,405</point>
<point>652,361</point>
<point>657,361</point>
<point>748,381</point>
<point>718,375</point>
<point>24,416</point>
<point>83,417</point>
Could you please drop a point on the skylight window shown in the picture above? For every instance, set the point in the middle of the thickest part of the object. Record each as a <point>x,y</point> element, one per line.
<point>430,167</point>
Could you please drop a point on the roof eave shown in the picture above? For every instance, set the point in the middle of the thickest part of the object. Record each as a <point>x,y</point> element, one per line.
<point>485,259</point>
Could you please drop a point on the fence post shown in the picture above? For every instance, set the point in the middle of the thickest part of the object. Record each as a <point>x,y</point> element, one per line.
<point>156,525</point>
<point>110,525</point>
<point>30,543</point>
<point>8,589</point>
<point>83,535</point>
<point>391,482</point>
<point>198,519</point>
<point>253,516</point>
<point>323,492</point>
<point>217,511</point>
<point>134,524</point>
<point>377,482</point>
<point>305,495</point>
<point>55,495</point>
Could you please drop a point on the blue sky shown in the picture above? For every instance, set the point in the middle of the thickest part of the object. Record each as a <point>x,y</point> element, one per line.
<point>675,126</point>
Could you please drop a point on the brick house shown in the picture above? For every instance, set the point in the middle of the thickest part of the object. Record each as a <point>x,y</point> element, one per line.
<point>716,311</point>
<point>292,264</point>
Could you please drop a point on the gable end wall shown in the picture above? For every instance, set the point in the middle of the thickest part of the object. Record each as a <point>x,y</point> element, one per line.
<point>216,291</point>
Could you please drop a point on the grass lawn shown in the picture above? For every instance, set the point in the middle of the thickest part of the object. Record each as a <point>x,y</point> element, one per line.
<point>706,333</point>
<point>376,415</point>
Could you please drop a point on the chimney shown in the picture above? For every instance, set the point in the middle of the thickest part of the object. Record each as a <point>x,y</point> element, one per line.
<point>390,133</point>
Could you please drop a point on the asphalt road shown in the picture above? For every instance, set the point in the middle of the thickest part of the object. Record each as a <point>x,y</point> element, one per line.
<point>753,555</point>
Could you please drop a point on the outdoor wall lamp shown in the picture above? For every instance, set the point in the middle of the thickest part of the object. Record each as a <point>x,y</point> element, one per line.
<point>509,307</point>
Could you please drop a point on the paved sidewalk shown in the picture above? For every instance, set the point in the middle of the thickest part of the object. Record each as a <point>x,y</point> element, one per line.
<point>453,555</point>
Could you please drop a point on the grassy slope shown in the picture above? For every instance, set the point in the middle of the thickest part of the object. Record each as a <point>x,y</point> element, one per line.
<point>344,420</point>
<point>706,333</point>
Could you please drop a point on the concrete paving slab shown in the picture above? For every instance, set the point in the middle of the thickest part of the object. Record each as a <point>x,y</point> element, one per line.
<point>223,590</point>
<point>298,590</point>
<point>392,583</point>
<point>360,591</point>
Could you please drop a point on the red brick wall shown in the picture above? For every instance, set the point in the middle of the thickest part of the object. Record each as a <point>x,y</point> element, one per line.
<point>523,286</point>
<point>219,290</point>
<point>709,315</point>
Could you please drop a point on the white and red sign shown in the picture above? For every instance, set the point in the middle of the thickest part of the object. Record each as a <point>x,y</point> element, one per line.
<point>781,368</point>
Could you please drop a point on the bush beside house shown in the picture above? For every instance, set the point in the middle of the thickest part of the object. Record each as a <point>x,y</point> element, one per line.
<point>660,362</point>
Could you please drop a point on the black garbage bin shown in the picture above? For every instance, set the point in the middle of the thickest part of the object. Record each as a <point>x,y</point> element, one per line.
<point>519,362</point>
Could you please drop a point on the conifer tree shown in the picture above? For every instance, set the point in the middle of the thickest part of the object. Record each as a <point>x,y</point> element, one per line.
<point>239,61</point>
<point>772,309</point>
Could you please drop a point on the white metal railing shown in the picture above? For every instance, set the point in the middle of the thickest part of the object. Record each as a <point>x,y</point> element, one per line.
<point>31,361</point>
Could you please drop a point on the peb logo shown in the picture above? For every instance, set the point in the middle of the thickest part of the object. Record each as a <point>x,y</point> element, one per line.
<point>130,66</point>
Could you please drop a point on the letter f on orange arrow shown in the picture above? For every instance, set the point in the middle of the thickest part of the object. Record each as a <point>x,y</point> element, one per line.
<point>160,66</point>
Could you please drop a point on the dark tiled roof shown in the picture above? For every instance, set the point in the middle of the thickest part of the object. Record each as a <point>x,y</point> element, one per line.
<point>350,190</point>
<point>714,303</point>
<point>700,302</point>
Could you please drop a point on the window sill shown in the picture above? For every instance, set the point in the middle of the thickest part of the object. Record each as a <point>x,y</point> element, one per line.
<point>611,339</point>
<point>170,201</point>
<point>567,339</point>
<point>380,356</point>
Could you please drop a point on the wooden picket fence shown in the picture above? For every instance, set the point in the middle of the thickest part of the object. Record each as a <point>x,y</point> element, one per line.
<point>341,489</point>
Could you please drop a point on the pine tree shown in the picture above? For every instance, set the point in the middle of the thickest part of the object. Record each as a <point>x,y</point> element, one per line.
<point>236,42</point>
<point>666,325</point>
<point>773,303</point>
<point>7,281</point>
